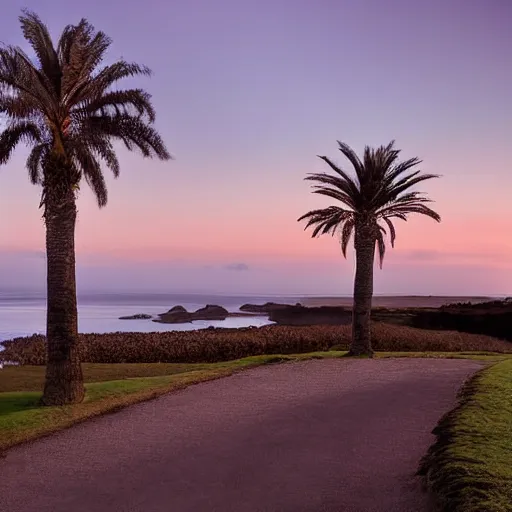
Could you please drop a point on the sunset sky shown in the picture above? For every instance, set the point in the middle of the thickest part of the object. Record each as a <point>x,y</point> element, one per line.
<point>247,93</point>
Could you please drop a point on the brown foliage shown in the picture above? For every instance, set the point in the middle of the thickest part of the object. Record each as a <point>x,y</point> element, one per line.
<point>212,345</point>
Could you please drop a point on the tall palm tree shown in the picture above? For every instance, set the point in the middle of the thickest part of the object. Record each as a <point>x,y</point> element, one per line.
<point>377,193</point>
<point>64,106</point>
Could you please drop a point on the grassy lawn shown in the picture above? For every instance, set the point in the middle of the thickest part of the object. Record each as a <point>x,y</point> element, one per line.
<point>31,378</point>
<point>113,386</point>
<point>470,466</point>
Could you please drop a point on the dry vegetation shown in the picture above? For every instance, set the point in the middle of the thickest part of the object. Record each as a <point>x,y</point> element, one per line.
<point>213,345</point>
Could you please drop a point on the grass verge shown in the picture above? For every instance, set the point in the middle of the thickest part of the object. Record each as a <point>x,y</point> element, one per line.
<point>469,467</point>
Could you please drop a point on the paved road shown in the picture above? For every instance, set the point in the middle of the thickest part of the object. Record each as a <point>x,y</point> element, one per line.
<point>319,436</point>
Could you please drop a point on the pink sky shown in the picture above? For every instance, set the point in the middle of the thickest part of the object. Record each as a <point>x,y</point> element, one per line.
<point>247,103</point>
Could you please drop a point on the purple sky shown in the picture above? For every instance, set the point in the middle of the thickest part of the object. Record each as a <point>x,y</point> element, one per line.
<point>247,93</point>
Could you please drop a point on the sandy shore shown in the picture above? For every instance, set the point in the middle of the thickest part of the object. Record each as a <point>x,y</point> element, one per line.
<point>398,301</point>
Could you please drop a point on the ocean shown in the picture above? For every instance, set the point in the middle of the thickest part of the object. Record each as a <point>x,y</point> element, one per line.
<point>24,314</point>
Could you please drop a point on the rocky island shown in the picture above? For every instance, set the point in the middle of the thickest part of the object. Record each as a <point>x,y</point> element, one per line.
<point>179,315</point>
<point>266,308</point>
<point>139,316</point>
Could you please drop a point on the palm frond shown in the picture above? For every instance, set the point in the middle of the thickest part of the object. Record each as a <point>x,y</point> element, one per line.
<point>334,184</point>
<point>335,194</point>
<point>130,102</point>
<point>91,170</point>
<point>105,150</point>
<point>15,106</point>
<point>17,75</point>
<point>352,187</point>
<point>352,157</point>
<point>132,131</point>
<point>381,245</point>
<point>80,51</point>
<point>392,230</point>
<point>412,208</point>
<point>35,163</point>
<point>402,167</point>
<point>376,163</point>
<point>382,160</point>
<point>13,135</point>
<point>327,220</point>
<point>408,182</point>
<point>36,33</point>
<point>96,85</point>
<point>397,215</point>
<point>346,234</point>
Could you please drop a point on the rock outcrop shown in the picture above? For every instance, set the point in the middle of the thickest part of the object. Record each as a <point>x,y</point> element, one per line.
<point>211,312</point>
<point>140,316</point>
<point>179,315</point>
<point>265,308</point>
<point>300,315</point>
<point>177,309</point>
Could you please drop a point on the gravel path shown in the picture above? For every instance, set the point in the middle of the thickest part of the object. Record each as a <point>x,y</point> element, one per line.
<point>319,436</point>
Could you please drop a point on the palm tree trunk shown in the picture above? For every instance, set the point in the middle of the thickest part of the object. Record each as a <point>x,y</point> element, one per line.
<point>64,381</point>
<point>363,290</point>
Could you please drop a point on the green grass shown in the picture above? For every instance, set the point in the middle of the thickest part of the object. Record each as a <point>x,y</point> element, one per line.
<point>110,387</point>
<point>31,378</point>
<point>470,466</point>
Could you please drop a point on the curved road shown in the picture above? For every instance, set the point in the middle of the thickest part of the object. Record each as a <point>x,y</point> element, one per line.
<point>319,436</point>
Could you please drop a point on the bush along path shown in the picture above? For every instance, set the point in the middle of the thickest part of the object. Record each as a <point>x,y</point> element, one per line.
<point>215,345</point>
<point>469,468</point>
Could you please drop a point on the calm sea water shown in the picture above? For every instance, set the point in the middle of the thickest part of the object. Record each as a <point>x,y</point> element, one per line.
<point>23,314</point>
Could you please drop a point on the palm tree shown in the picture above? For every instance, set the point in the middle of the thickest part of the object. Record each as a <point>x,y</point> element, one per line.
<point>372,197</point>
<point>64,106</point>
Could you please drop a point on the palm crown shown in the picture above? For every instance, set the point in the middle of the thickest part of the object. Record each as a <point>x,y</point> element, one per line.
<point>377,193</point>
<point>65,105</point>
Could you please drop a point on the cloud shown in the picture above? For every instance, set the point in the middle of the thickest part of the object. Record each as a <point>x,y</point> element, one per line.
<point>41,255</point>
<point>423,255</point>
<point>435,256</point>
<point>17,254</point>
<point>239,267</point>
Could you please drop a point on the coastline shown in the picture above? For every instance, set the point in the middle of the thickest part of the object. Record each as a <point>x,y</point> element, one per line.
<point>397,301</point>
<point>23,315</point>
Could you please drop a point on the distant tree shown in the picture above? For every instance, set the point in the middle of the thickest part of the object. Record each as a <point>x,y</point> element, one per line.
<point>372,197</point>
<point>66,108</point>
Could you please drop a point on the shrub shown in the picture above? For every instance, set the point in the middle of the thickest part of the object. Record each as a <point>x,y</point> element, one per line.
<point>213,345</point>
